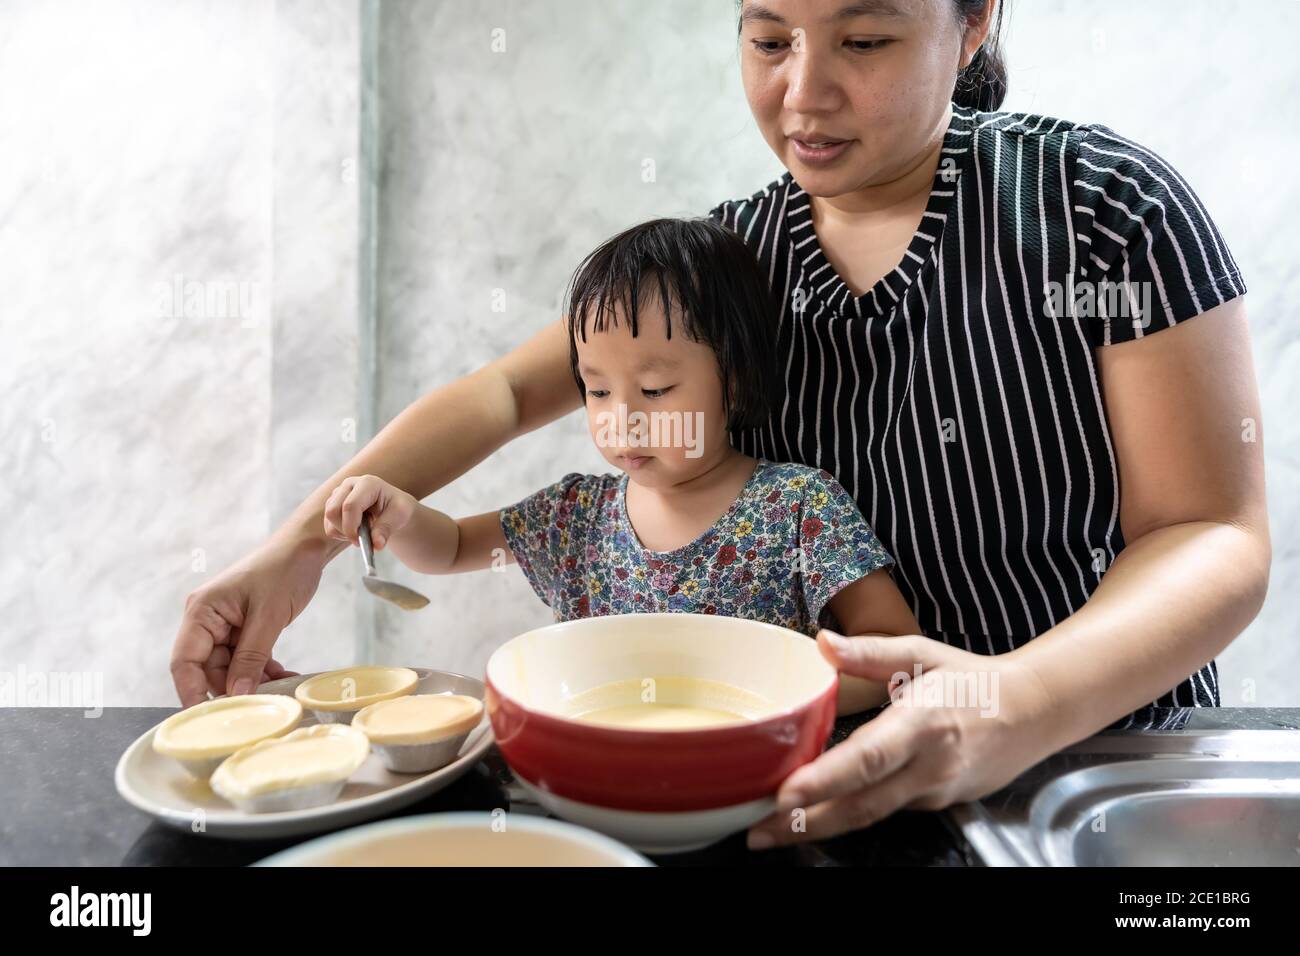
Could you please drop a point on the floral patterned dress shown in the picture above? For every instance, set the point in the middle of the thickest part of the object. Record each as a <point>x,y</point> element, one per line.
<point>792,538</point>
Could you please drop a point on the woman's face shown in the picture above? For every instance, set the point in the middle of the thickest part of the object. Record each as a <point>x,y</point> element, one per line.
<point>874,76</point>
<point>667,391</point>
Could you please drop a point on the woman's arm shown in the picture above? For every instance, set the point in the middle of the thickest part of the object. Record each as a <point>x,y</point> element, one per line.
<point>1185,422</point>
<point>1184,418</point>
<point>231,623</point>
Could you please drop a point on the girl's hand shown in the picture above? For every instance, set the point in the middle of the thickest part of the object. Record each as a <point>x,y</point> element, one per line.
<point>928,749</point>
<point>390,510</point>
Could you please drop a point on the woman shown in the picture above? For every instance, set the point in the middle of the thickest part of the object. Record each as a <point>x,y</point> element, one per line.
<point>985,324</point>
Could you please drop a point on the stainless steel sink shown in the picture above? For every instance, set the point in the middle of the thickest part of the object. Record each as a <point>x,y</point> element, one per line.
<point>1191,798</point>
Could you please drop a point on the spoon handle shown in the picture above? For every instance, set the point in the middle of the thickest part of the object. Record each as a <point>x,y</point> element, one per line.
<point>367,549</point>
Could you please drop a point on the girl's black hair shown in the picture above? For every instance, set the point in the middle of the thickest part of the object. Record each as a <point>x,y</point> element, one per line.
<point>710,281</point>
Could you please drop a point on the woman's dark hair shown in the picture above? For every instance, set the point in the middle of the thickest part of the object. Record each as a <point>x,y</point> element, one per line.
<point>710,280</point>
<point>983,84</point>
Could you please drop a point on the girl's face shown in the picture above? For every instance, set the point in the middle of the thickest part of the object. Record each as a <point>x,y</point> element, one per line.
<point>654,404</point>
<point>874,77</point>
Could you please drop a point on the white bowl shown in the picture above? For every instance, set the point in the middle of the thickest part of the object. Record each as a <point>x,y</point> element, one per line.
<point>461,839</point>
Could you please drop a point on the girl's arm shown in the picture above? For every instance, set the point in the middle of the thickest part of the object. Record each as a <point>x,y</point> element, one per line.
<point>424,539</point>
<point>436,544</point>
<point>874,606</point>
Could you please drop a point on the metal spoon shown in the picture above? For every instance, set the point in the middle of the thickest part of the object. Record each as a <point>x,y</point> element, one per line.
<point>398,594</point>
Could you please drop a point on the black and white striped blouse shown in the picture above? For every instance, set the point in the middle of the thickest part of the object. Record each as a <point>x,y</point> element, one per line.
<point>958,400</point>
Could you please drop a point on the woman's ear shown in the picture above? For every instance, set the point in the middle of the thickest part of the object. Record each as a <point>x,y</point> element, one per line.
<point>975,33</point>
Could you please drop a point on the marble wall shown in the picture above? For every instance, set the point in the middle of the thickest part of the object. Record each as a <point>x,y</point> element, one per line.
<point>176,175</point>
<point>179,233</point>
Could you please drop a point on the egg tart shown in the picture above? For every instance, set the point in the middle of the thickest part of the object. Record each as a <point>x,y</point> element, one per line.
<point>204,735</point>
<point>335,697</point>
<point>419,732</point>
<point>306,768</point>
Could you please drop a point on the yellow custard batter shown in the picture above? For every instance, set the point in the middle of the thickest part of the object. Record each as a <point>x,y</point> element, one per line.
<point>311,755</point>
<point>226,724</point>
<point>668,703</point>
<point>419,718</point>
<point>230,728</point>
<point>657,716</point>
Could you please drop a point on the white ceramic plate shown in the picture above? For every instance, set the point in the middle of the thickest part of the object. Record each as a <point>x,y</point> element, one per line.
<point>158,786</point>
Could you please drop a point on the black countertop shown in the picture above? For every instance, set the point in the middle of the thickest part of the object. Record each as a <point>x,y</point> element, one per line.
<point>60,807</point>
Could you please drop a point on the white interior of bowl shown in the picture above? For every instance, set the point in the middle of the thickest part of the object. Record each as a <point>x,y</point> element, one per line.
<point>546,668</point>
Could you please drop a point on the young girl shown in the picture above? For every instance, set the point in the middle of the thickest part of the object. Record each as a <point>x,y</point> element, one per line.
<point>672,342</point>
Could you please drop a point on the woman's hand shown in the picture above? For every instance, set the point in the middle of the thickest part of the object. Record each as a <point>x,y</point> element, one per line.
<point>390,510</point>
<point>231,623</point>
<point>965,727</point>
